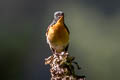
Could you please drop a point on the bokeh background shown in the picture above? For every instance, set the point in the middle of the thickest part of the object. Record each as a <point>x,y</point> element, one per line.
<point>94,37</point>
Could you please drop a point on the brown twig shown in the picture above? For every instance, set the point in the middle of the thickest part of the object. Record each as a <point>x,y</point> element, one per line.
<point>62,67</point>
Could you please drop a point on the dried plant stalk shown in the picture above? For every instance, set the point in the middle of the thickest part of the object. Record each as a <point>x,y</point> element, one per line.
<point>62,67</point>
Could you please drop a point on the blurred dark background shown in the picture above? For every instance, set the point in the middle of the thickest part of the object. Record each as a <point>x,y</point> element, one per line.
<point>94,38</point>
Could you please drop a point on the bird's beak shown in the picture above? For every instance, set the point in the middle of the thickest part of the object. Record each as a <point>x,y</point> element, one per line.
<point>61,19</point>
<point>62,15</point>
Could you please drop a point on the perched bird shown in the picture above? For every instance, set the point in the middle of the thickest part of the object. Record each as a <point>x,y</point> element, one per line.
<point>58,34</point>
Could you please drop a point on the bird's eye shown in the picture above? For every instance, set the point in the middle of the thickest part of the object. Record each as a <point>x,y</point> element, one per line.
<point>56,14</point>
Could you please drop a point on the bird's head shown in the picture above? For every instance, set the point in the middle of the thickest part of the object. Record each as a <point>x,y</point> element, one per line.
<point>58,15</point>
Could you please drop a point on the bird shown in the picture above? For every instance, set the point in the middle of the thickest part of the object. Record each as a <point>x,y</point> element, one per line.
<point>57,34</point>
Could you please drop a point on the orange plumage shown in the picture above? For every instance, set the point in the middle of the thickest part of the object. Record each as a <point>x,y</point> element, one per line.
<point>58,35</point>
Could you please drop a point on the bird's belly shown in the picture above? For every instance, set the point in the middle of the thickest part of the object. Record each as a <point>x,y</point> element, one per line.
<point>58,36</point>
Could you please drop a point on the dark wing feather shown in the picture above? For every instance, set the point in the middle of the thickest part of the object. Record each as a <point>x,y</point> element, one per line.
<point>67,29</point>
<point>66,48</point>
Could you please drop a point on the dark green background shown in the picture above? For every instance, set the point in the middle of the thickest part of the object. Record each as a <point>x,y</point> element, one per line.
<point>94,37</point>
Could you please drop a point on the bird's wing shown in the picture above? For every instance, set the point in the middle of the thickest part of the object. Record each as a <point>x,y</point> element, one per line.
<point>53,22</point>
<point>47,30</point>
<point>67,29</point>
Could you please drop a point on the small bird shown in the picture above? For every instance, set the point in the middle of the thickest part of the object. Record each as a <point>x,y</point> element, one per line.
<point>57,34</point>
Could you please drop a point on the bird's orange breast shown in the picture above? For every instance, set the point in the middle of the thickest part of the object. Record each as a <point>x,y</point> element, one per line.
<point>58,34</point>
